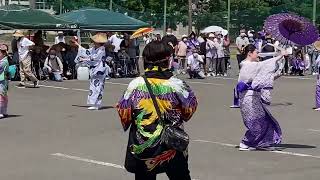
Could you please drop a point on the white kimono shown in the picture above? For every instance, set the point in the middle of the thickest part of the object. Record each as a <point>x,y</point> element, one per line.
<point>95,60</point>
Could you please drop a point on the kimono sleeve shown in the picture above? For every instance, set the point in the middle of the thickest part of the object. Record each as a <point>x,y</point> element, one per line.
<point>82,53</point>
<point>317,63</point>
<point>266,74</point>
<point>125,107</point>
<point>188,100</point>
<point>266,96</point>
<point>99,55</point>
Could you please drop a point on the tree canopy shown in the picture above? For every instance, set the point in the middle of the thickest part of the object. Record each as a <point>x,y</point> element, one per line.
<point>244,13</point>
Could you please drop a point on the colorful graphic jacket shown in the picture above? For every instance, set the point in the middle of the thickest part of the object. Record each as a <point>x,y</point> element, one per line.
<point>177,104</point>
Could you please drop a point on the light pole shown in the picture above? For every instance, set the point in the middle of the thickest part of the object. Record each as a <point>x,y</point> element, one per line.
<point>190,16</point>
<point>110,5</point>
<point>32,4</point>
<point>229,14</point>
<point>60,6</point>
<point>165,17</point>
<point>314,18</point>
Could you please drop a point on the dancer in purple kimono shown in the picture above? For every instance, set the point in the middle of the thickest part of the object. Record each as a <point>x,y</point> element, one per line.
<point>254,85</point>
<point>317,108</point>
<point>192,44</point>
<point>95,59</point>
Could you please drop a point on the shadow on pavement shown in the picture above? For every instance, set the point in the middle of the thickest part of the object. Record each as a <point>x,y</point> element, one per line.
<point>282,104</point>
<point>295,146</point>
<point>12,116</point>
<point>281,147</point>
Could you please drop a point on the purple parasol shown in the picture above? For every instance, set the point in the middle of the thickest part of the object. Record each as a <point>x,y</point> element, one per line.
<point>291,29</point>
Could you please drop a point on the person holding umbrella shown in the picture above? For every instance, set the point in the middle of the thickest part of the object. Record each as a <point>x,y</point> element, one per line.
<point>254,84</point>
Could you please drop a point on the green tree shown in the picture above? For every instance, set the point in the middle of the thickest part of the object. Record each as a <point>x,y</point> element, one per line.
<point>244,13</point>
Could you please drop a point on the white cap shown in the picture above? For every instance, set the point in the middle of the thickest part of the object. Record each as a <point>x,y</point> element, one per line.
<point>211,35</point>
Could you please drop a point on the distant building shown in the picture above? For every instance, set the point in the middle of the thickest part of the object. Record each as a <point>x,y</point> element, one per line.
<point>39,4</point>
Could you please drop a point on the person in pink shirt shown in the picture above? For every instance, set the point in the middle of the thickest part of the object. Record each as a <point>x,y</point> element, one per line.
<point>181,52</point>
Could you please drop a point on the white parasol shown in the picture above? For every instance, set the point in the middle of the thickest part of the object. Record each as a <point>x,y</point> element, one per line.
<point>212,29</point>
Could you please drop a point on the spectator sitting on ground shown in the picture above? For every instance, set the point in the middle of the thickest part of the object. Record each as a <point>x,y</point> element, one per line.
<point>194,62</point>
<point>53,66</point>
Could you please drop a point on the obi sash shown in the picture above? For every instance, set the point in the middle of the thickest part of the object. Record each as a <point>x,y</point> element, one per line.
<point>242,86</point>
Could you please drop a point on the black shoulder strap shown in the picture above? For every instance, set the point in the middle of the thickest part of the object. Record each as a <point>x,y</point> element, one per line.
<point>153,97</point>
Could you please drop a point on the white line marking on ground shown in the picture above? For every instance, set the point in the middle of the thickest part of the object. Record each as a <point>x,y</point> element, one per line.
<point>191,82</point>
<point>88,160</point>
<point>227,78</point>
<point>75,89</point>
<point>55,87</point>
<point>286,77</point>
<point>300,78</point>
<point>64,88</point>
<point>212,142</point>
<point>91,161</point>
<point>278,152</point>
<point>206,83</point>
<point>115,83</point>
<point>314,130</point>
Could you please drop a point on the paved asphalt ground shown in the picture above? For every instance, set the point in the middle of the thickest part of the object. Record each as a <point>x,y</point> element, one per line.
<point>52,136</point>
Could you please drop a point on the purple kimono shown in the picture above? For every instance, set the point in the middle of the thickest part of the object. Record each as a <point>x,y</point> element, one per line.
<point>298,64</point>
<point>191,45</point>
<point>254,86</point>
<point>318,85</point>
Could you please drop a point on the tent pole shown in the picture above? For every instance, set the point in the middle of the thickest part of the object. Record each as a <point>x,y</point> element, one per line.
<point>60,6</point>
<point>314,12</point>
<point>110,5</point>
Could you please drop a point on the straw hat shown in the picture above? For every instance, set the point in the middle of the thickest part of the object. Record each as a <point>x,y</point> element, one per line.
<point>100,38</point>
<point>317,45</point>
<point>18,33</point>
